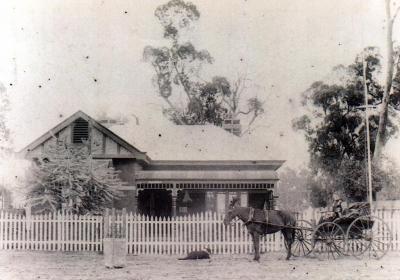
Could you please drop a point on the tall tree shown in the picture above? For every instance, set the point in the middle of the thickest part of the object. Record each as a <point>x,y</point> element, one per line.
<point>335,126</point>
<point>391,92</point>
<point>67,177</point>
<point>293,190</point>
<point>178,68</point>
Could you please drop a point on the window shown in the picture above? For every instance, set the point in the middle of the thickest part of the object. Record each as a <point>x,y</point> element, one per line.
<point>221,202</point>
<point>80,131</point>
<point>244,199</point>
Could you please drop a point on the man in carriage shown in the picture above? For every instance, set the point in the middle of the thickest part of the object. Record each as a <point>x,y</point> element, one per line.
<point>340,213</point>
<point>337,210</point>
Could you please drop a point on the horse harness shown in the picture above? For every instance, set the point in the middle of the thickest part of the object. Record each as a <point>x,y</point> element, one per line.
<point>251,217</point>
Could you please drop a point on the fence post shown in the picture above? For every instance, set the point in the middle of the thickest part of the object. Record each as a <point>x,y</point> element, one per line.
<point>114,240</point>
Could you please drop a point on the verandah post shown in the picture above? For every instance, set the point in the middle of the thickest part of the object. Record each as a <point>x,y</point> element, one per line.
<point>174,197</point>
<point>106,225</point>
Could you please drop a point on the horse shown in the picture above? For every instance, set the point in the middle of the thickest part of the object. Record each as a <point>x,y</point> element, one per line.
<point>260,222</point>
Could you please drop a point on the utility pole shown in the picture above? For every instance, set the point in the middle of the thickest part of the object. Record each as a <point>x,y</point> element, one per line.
<point>368,139</point>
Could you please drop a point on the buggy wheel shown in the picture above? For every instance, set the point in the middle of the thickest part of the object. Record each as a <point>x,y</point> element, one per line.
<point>302,244</point>
<point>329,241</point>
<point>369,235</point>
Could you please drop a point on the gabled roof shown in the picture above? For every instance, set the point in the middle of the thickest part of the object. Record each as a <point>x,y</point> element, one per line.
<point>136,153</point>
<point>165,142</point>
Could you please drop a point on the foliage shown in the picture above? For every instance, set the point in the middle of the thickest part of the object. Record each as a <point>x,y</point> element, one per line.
<point>178,68</point>
<point>293,190</point>
<point>335,129</point>
<point>319,194</point>
<point>394,97</point>
<point>391,190</point>
<point>350,182</point>
<point>67,177</point>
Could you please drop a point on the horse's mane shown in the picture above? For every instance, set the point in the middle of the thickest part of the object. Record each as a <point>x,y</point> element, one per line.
<point>234,202</point>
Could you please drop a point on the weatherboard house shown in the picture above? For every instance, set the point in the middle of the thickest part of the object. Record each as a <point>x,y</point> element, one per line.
<point>172,170</point>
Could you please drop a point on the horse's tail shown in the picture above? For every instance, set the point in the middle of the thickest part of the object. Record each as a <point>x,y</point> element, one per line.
<point>288,218</point>
<point>290,221</point>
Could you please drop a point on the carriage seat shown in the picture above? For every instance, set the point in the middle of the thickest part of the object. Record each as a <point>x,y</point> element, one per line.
<point>356,210</point>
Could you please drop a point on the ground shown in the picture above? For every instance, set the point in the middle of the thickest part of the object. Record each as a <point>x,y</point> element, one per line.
<point>87,266</point>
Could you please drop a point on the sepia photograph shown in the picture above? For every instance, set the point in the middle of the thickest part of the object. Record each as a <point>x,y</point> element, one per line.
<point>199,139</point>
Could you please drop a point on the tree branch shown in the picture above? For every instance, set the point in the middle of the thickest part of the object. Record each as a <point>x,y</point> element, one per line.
<point>179,119</point>
<point>249,124</point>
<point>227,103</point>
<point>245,113</point>
<point>187,90</point>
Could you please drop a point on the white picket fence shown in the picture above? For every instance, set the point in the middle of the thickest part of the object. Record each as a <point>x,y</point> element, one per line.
<point>51,232</point>
<point>147,235</point>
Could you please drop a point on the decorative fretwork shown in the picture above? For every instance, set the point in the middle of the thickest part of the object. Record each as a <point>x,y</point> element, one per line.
<point>205,186</point>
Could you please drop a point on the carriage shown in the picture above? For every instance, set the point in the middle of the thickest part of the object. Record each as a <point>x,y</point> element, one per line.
<point>356,232</point>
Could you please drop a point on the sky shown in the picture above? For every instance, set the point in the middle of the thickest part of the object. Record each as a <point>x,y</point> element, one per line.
<point>58,57</point>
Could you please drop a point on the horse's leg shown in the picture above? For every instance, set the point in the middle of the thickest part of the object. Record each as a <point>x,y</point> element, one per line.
<point>256,243</point>
<point>288,234</point>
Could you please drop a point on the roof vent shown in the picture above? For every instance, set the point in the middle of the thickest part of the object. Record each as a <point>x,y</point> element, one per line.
<point>80,131</point>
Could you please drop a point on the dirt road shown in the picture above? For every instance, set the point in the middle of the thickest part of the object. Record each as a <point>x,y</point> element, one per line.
<point>49,265</point>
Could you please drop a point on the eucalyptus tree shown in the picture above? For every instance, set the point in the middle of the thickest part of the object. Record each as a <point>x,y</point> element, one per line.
<point>391,93</point>
<point>178,70</point>
<point>334,127</point>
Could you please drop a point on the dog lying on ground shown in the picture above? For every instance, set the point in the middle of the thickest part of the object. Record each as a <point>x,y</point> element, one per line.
<point>198,255</point>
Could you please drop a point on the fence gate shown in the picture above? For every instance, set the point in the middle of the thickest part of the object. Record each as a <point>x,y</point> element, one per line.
<point>114,242</point>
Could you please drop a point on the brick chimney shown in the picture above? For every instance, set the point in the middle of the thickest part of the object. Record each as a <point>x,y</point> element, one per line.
<point>232,125</point>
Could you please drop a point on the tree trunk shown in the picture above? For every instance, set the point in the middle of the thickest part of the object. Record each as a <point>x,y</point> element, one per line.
<point>383,114</point>
<point>174,108</point>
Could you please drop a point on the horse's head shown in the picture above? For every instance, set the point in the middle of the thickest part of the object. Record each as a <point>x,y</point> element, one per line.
<point>232,213</point>
<point>229,217</point>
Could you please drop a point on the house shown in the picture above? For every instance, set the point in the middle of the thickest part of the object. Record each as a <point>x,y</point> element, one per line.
<point>171,170</point>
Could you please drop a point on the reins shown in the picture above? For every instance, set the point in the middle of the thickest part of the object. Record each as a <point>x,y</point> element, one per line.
<point>251,216</point>
<point>267,220</point>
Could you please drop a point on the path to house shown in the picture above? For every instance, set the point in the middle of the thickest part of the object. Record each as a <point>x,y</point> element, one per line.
<point>48,265</point>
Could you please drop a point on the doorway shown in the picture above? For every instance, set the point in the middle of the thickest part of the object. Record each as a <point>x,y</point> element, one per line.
<point>155,203</point>
<point>261,200</point>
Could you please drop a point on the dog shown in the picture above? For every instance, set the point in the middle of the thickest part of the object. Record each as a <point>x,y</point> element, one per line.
<point>198,255</point>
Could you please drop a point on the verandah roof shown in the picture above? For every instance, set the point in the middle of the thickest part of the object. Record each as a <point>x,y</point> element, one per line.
<point>206,175</point>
